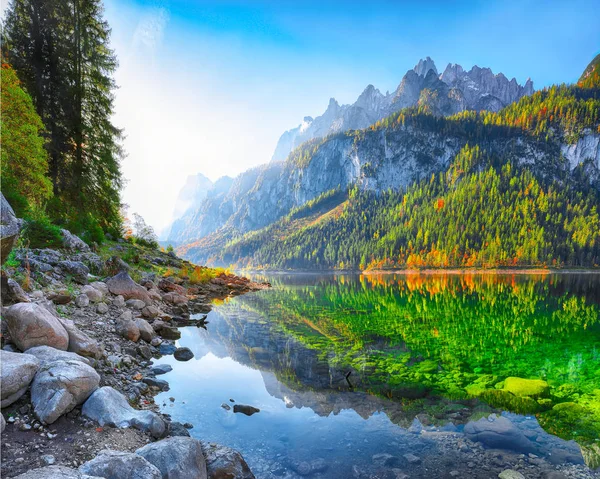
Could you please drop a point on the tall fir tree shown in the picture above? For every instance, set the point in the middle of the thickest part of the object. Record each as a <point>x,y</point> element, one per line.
<point>60,50</point>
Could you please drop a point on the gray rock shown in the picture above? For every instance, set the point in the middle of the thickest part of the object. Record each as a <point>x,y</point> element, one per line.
<point>176,458</point>
<point>100,286</point>
<point>102,308</point>
<point>60,386</point>
<point>122,284</point>
<point>178,429</point>
<point>79,342</point>
<point>161,369</point>
<point>183,354</point>
<point>498,432</point>
<point>510,474</point>
<point>169,332</point>
<point>150,312</point>
<point>10,226</point>
<point>47,355</point>
<point>30,324</point>
<point>174,298</point>
<point>55,472</point>
<point>16,373</point>
<point>146,331</point>
<point>166,348</point>
<point>120,465</point>
<point>14,293</point>
<point>93,294</point>
<point>82,301</point>
<point>128,329</point>
<point>119,301</point>
<point>48,459</point>
<point>73,242</point>
<point>76,269</point>
<point>2,423</point>
<point>224,462</point>
<point>245,409</point>
<point>135,304</point>
<point>157,383</point>
<point>109,407</point>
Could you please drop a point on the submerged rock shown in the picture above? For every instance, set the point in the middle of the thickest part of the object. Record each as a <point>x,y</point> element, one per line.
<point>109,407</point>
<point>245,409</point>
<point>17,370</point>
<point>120,465</point>
<point>498,432</point>
<point>526,387</point>
<point>177,458</point>
<point>183,354</point>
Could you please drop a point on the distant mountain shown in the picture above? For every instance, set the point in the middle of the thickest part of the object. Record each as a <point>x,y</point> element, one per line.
<point>453,91</point>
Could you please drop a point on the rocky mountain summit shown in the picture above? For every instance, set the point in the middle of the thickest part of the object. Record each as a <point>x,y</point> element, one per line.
<point>452,91</point>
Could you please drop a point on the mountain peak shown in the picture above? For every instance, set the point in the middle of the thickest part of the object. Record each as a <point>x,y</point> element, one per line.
<point>423,67</point>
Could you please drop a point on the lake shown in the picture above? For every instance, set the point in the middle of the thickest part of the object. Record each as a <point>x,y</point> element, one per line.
<point>396,376</point>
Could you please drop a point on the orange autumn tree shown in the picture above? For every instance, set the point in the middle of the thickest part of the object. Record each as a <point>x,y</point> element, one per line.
<point>24,159</point>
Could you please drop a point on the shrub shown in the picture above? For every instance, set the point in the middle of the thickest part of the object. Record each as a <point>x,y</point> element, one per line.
<point>39,232</point>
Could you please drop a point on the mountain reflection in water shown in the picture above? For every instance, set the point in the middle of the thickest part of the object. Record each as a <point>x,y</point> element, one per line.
<point>353,373</point>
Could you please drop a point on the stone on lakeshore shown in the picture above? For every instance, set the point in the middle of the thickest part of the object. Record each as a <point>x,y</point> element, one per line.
<point>73,242</point>
<point>157,383</point>
<point>17,370</point>
<point>48,355</point>
<point>10,226</point>
<point>183,354</point>
<point>60,386</point>
<point>169,286</point>
<point>137,304</point>
<point>526,387</point>
<point>174,298</point>
<point>122,284</point>
<point>109,407</point>
<point>100,286</point>
<point>161,369</point>
<point>224,462</point>
<point>510,474</point>
<point>102,308</point>
<point>498,432</point>
<point>61,298</point>
<point>150,312</point>
<point>119,301</point>
<point>178,429</point>
<point>146,331</point>
<point>79,342</point>
<point>76,269</point>
<point>30,324</point>
<point>128,329</point>
<point>55,472</point>
<point>166,348</point>
<point>120,465</point>
<point>82,301</point>
<point>12,292</point>
<point>169,332</point>
<point>93,294</point>
<point>176,458</point>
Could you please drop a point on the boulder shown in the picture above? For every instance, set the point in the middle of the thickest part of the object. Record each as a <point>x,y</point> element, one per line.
<point>128,329</point>
<point>119,301</point>
<point>120,465</point>
<point>55,472</point>
<point>61,298</point>
<point>16,373</point>
<point>176,458</point>
<point>183,354</point>
<point>225,463</point>
<point>79,342</point>
<point>498,432</point>
<point>135,304</point>
<point>161,369</point>
<point>178,429</point>
<point>245,409</point>
<point>166,348</point>
<point>526,387</point>
<point>122,284</point>
<point>12,292</point>
<point>60,386</point>
<point>109,407</point>
<point>115,265</point>
<point>93,294</point>
<point>82,301</point>
<point>100,286</point>
<point>73,242</point>
<point>169,332</point>
<point>168,286</point>
<point>154,294</point>
<point>146,331</point>
<point>10,226</point>
<point>157,383</point>
<point>150,312</point>
<point>76,269</point>
<point>174,298</point>
<point>47,355</point>
<point>102,308</point>
<point>30,324</point>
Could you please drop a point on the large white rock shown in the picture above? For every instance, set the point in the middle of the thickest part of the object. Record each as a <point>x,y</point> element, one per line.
<point>120,465</point>
<point>79,342</point>
<point>109,407</point>
<point>48,355</point>
<point>176,458</point>
<point>16,373</point>
<point>60,386</point>
<point>30,324</point>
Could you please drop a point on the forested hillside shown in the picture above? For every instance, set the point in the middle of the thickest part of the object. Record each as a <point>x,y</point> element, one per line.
<point>508,198</point>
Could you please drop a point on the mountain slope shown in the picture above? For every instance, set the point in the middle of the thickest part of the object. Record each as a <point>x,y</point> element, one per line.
<point>552,136</point>
<point>453,91</point>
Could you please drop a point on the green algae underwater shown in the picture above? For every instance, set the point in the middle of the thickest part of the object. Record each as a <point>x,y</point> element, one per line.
<point>528,344</point>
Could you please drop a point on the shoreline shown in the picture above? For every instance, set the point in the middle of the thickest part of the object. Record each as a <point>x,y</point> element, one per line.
<point>427,271</point>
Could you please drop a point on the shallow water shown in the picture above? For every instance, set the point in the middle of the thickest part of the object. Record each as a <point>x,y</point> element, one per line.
<point>427,356</point>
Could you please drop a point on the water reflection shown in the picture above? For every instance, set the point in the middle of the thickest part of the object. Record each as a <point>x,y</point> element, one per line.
<point>414,348</point>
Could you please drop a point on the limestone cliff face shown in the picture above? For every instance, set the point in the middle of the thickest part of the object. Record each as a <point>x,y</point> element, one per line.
<point>451,92</point>
<point>587,148</point>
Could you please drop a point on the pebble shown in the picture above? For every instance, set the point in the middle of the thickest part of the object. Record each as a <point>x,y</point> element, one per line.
<point>48,459</point>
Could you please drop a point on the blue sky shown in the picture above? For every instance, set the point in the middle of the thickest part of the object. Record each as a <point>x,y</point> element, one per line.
<point>209,86</point>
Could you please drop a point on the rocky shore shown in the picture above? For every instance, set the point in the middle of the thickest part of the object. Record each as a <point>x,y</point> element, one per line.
<point>80,360</point>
